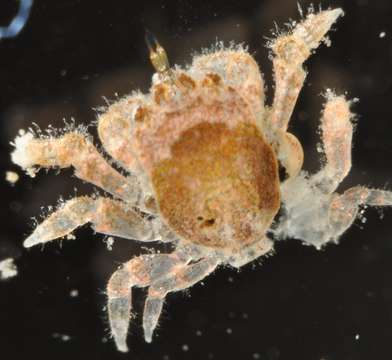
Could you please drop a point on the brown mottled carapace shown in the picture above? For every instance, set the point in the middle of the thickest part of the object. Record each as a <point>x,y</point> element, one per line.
<point>220,187</point>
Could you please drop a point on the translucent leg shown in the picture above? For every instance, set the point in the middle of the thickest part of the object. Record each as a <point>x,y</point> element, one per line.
<point>290,52</point>
<point>318,218</point>
<point>337,131</point>
<point>344,208</point>
<point>140,271</point>
<point>181,278</point>
<point>152,311</point>
<point>107,216</point>
<point>73,149</point>
<point>119,306</point>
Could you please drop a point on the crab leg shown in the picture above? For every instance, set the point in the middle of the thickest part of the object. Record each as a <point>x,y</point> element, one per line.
<point>140,271</point>
<point>73,149</point>
<point>179,279</point>
<point>337,131</point>
<point>344,208</point>
<point>290,52</point>
<point>107,216</point>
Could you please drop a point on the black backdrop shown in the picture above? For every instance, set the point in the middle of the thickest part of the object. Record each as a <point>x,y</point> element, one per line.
<point>334,304</point>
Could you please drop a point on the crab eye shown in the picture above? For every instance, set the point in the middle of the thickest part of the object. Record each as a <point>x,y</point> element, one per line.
<point>158,54</point>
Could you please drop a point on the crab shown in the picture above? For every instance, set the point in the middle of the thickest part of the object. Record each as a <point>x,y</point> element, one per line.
<point>201,154</point>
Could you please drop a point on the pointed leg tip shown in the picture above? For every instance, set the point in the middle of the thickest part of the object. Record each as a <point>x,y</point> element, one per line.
<point>334,15</point>
<point>30,242</point>
<point>331,16</point>
<point>329,12</point>
<point>337,12</point>
<point>323,20</point>
<point>123,348</point>
<point>121,344</point>
<point>148,338</point>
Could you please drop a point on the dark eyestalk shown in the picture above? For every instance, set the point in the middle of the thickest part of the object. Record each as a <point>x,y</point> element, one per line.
<point>158,55</point>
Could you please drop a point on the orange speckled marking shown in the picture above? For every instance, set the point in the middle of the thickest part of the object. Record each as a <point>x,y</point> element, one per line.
<point>186,81</point>
<point>212,79</point>
<point>161,93</point>
<point>220,188</point>
<point>142,114</point>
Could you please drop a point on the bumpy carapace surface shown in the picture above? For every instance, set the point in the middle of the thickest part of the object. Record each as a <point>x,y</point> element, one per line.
<point>214,175</point>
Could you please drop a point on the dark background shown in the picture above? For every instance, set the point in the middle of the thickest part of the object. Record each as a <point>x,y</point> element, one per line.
<point>334,304</point>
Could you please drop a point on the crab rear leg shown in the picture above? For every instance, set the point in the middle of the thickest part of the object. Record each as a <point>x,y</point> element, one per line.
<point>140,271</point>
<point>337,131</point>
<point>107,216</point>
<point>344,208</point>
<point>179,279</point>
<point>318,218</point>
<point>74,149</point>
<point>290,52</point>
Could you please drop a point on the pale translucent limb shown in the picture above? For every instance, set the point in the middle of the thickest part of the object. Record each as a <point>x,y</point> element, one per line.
<point>344,208</point>
<point>316,217</point>
<point>180,278</point>
<point>73,149</point>
<point>152,311</point>
<point>107,217</point>
<point>251,253</point>
<point>290,52</point>
<point>140,272</point>
<point>337,131</point>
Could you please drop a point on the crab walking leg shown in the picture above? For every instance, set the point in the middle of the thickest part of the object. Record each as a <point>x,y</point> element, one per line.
<point>337,131</point>
<point>107,216</point>
<point>180,279</point>
<point>344,208</point>
<point>140,272</point>
<point>290,52</point>
<point>73,149</point>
